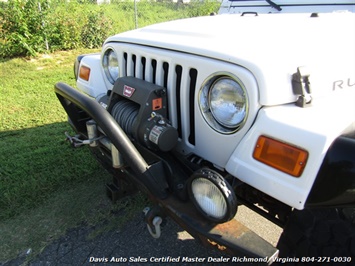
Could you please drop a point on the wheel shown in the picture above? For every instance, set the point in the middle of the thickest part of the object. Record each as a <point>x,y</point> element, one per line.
<point>326,236</point>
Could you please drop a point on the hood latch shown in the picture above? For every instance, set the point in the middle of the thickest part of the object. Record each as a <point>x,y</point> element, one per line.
<point>301,86</point>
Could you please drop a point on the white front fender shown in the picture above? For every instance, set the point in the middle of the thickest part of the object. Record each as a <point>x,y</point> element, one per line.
<point>96,84</point>
<point>313,129</point>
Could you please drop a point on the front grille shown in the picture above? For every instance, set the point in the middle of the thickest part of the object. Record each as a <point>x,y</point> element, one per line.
<point>183,73</point>
<point>179,80</point>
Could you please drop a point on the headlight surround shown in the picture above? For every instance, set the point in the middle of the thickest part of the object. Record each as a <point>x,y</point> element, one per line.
<point>223,103</point>
<point>212,195</point>
<point>110,65</point>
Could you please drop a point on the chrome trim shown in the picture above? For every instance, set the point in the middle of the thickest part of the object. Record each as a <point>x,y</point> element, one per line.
<point>204,102</point>
<point>105,64</point>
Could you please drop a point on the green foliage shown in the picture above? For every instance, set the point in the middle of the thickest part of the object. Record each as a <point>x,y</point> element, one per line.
<point>28,27</point>
<point>22,31</point>
<point>198,8</point>
<point>96,30</point>
<point>64,28</point>
<point>34,26</point>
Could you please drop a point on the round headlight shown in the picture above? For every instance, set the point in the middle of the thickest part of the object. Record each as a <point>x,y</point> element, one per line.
<point>212,195</point>
<point>110,65</point>
<point>224,103</point>
<point>227,102</point>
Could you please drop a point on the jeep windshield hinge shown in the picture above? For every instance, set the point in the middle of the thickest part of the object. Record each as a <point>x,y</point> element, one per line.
<point>276,6</point>
<point>301,86</point>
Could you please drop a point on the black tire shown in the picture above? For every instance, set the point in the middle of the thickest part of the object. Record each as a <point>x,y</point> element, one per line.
<point>324,236</point>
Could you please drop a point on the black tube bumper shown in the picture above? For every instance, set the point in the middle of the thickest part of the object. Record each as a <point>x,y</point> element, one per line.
<point>81,108</point>
<point>335,182</point>
<point>231,237</point>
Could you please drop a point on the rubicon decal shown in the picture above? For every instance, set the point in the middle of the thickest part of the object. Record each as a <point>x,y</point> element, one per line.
<point>128,91</point>
<point>343,84</point>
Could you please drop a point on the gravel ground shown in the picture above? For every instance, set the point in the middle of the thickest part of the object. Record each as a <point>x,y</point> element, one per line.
<point>133,245</point>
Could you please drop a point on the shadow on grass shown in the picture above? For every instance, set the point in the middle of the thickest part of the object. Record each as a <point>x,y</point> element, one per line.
<point>46,187</point>
<point>35,162</point>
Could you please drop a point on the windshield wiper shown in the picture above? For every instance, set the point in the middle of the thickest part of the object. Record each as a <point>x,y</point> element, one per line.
<point>271,3</point>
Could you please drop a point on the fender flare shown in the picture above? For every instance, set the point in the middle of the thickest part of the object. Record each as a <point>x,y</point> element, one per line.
<point>335,183</point>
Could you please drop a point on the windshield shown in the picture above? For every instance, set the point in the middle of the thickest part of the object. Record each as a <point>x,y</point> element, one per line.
<point>286,6</point>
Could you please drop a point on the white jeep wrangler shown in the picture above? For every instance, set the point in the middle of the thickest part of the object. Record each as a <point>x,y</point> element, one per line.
<point>254,108</point>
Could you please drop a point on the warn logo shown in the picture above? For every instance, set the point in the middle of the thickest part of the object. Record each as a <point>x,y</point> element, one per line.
<point>128,91</point>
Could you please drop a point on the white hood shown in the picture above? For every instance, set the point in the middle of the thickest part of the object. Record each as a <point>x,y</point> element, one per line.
<point>271,46</point>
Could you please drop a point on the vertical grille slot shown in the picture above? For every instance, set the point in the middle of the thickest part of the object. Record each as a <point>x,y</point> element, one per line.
<point>166,73</point>
<point>130,64</point>
<point>143,61</point>
<point>178,72</point>
<point>134,58</point>
<point>154,68</point>
<point>165,70</point>
<point>193,79</point>
<point>179,79</point>
<point>125,56</point>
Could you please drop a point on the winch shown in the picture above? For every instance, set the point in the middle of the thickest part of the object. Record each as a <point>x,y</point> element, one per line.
<point>140,108</point>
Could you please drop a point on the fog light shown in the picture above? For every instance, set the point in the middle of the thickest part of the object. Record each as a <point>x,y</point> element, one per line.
<point>212,195</point>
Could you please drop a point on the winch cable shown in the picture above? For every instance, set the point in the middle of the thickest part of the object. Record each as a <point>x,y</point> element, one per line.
<point>125,113</point>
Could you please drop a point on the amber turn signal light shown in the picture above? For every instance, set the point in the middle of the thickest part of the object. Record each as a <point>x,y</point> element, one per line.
<point>282,156</point>
<point>84,73</point>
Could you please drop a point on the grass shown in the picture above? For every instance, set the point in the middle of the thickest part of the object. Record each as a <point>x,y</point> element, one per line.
<point>35,159</point>
<point>123,17</point>
<point>46,186</point>
<point>82,204</point>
